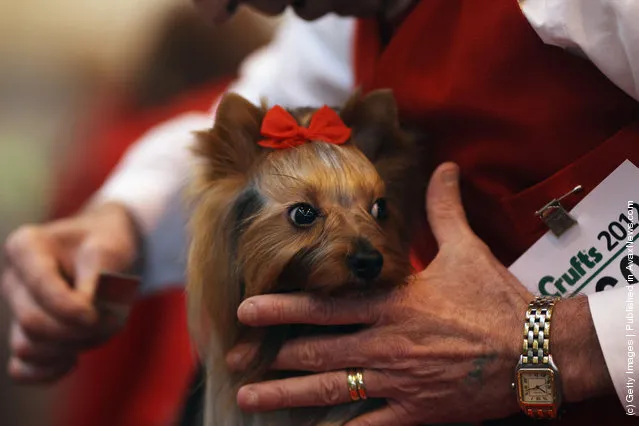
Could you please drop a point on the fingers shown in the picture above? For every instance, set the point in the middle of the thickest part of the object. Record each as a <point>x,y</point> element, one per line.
<point>310,354</point>
<point>317,390</point>
<point>32,373</point>
<point>43,348</point>
<point>48,351</point>
<point>55,319</point>
<point>33,320</point>
<point>388,415</point>
<point>87,269</point>
<point>306,309</point>
<point>327,353</point>
<point>444,206</point>
<point>92,258</point>
<point>34,265</point>
<point>335,352</point>
<point>30,350</point>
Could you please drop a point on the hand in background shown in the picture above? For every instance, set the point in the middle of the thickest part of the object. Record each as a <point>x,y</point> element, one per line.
<point>49,282</point>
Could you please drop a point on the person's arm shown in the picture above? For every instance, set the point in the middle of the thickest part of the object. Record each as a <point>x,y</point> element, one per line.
<point>307,64</point>
<point>604,31</point>
<point>433,357</point>
<point>577,351</point>
<point>152,169</point>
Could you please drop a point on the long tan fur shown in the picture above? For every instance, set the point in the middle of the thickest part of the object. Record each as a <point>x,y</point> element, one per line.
<point>243,245</point>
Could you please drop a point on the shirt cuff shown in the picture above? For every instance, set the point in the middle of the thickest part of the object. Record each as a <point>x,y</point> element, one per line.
<point>613,316</point>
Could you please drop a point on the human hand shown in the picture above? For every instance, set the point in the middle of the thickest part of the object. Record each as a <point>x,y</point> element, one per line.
<point>441,349</point>
<point>54,319</point>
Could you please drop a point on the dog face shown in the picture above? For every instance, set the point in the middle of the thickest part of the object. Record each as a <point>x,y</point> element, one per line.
<point>318,217</point>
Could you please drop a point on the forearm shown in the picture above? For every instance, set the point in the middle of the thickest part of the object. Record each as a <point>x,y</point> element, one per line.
<point>577,351</point>
<point>153,169</point>
<point>146,191</point>
<point>119,218</point>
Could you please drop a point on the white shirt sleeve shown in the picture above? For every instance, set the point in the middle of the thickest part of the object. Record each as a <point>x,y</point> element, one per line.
<point>618,333</point>
<point>604,31</point>
<point>607,33</point>
<point>306,64</point>
<point>153,168</point>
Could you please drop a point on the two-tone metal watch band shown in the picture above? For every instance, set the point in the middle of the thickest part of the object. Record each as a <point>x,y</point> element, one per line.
<point>536,347</point>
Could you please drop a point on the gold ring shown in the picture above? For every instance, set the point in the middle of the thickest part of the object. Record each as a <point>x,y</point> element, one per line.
<point>355,381</point>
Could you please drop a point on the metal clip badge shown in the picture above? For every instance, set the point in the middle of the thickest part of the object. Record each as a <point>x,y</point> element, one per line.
<point>555,216</point>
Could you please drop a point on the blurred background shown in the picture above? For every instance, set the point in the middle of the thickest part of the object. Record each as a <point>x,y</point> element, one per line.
<point>79,81</point>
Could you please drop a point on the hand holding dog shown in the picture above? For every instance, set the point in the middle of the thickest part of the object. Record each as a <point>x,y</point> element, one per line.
<point>441,349</point>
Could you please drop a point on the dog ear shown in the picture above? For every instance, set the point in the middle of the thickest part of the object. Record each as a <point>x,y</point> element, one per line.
<point>230,147</point>
<point>374,120</point>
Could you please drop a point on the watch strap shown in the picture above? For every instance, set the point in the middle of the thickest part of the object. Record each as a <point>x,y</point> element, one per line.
<point>536,344</point>
<point>536,351</point>
<point>541,412</point>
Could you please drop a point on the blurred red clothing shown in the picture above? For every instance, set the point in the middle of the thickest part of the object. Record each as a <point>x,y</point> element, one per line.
<point>116,127</point>
<point>141,377</point>
<point>524,121</point>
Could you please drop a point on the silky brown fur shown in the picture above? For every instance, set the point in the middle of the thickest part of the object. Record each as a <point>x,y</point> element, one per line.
<point>243,243</point>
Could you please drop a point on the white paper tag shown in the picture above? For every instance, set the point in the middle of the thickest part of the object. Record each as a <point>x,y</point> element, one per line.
<point>595,255</point>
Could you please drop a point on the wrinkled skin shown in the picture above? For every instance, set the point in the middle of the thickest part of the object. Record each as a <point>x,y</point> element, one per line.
<point>442,349</point>
<point>49,280</point>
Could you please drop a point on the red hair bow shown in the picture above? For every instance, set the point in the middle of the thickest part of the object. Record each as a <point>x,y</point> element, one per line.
<point>281,130</point>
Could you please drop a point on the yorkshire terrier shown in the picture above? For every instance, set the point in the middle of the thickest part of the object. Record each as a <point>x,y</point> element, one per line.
<point>314,200</point>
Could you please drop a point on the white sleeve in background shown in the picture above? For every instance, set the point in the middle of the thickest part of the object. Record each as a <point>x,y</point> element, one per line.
<point>607,33</point>
<point>604,31</point>
<point>617,327</point>
<point>153,168</point>
<point>307,64</point>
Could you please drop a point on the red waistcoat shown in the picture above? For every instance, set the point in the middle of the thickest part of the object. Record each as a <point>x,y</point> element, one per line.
<point>525,121</point>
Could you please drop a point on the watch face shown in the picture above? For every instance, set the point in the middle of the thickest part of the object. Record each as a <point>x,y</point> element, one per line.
<point>537,386</point>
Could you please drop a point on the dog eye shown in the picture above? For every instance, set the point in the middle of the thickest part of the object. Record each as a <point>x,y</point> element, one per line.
<point>302,214</point>
<point>378,211</point>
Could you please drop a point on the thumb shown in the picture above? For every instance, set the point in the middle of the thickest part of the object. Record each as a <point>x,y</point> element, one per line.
<point>444,207</point>
<point>92,258</point>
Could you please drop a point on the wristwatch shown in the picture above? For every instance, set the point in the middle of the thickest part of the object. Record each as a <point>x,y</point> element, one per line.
<point>537,379</point>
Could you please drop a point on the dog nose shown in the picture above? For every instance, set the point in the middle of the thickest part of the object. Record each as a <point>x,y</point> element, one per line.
<point>366,263</point>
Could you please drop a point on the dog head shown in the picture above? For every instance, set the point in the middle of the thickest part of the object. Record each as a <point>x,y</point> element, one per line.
<point>318,216</point>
